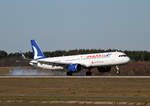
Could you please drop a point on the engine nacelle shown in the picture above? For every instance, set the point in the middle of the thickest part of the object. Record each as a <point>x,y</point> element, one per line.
<point>73,68</point>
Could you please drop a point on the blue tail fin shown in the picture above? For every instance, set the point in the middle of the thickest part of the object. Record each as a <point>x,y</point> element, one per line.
<point>36,51</point>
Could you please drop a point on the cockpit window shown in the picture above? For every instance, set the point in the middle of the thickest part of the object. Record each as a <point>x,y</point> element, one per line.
<point>122,55</point>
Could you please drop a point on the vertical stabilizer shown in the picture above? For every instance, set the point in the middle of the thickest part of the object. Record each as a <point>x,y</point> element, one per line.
<point>37,53</point>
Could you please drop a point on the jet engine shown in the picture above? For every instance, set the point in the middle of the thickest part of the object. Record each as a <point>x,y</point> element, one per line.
<point>74,68</point>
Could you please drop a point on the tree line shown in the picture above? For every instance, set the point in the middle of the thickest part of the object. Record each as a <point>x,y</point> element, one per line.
<point>134,55</point>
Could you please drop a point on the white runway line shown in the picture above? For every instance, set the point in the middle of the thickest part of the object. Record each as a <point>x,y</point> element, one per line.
<point>81,77</point>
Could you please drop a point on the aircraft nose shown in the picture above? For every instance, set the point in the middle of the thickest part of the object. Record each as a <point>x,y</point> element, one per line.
<point>128,59</point>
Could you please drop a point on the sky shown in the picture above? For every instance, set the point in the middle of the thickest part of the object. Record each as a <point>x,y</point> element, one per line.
<point>74,24</point>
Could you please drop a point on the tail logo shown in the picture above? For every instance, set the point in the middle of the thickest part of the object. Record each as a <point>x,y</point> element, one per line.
<point>36,53</point>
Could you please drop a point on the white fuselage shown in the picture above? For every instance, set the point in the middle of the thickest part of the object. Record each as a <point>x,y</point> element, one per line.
<point>87,60</point>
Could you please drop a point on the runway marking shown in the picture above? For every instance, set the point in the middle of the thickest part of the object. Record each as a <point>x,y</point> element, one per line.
<point>80,77</point>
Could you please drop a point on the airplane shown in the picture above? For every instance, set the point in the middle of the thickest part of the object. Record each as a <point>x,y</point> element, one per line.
<point>75,63</point>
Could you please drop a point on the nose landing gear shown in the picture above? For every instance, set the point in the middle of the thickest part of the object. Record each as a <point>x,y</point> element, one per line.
<point>117,70</point>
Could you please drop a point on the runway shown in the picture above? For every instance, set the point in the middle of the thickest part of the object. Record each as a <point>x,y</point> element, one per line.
<point>80,77</point>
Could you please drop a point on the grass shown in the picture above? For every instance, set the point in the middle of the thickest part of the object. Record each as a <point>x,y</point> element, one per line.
<point>50,98</point>
<point>74,89</point>
<point>37,104</point>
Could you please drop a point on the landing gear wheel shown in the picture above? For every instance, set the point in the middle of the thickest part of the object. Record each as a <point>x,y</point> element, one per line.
<point>117,72</point>
<point>88,73</point>
<point>69,73</point>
